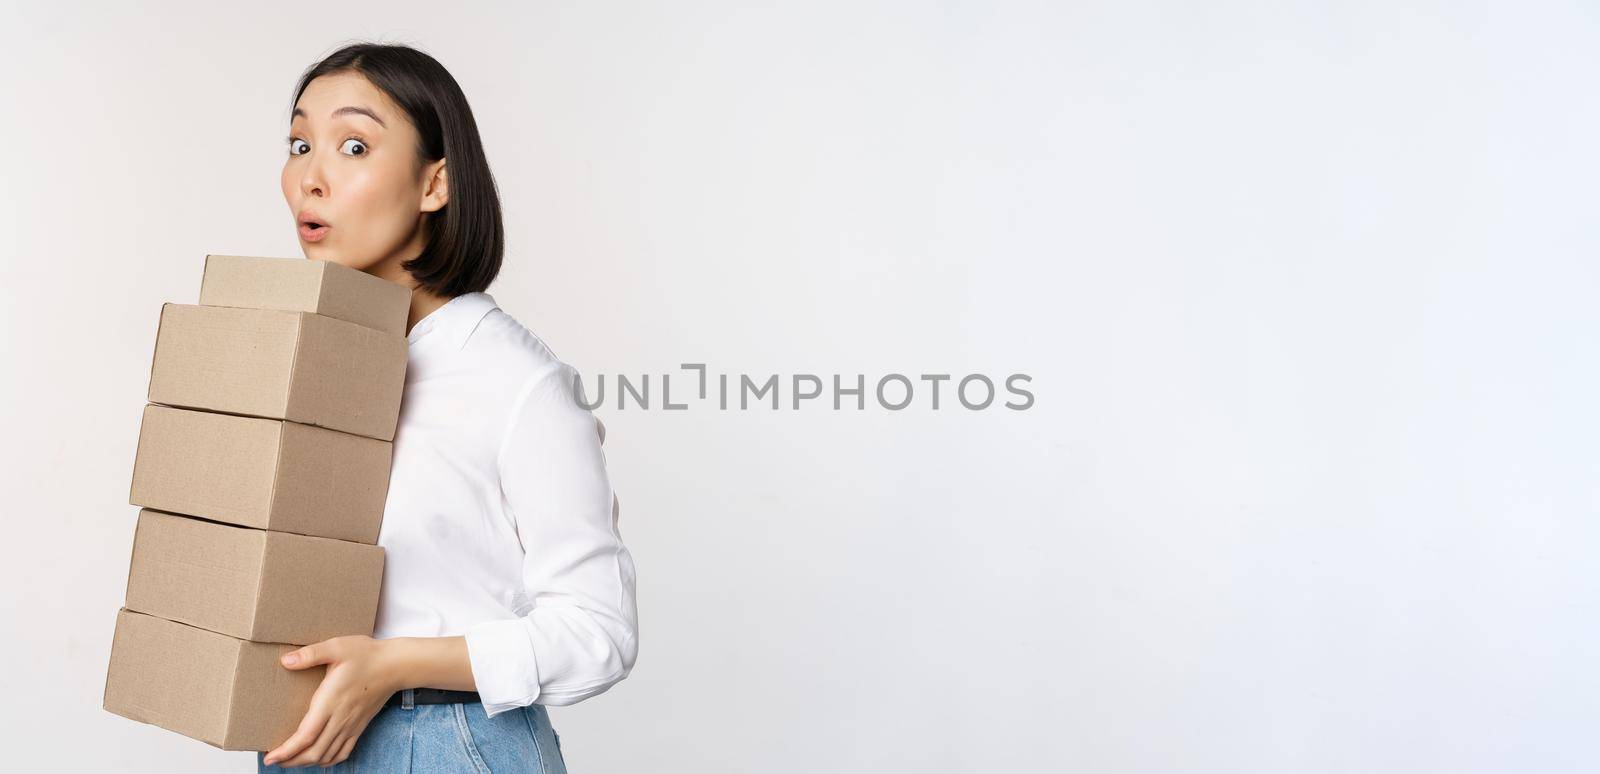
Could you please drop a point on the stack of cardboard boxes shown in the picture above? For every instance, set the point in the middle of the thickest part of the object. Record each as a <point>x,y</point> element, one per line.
<point>262,470</point>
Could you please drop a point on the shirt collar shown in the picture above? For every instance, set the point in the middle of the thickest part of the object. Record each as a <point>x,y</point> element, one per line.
<point>456,320</point>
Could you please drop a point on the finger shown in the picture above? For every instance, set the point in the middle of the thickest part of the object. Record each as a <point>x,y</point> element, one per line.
<point>344,752</point>
<point>361,729</point>
<point>332,751</point>
<point>342,746</point>
<point>350,741</point>
<point>314,753</point>
<point>307,657</point>
<point>310,728</point>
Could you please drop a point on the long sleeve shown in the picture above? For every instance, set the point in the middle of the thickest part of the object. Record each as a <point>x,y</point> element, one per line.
<point>581,635</point>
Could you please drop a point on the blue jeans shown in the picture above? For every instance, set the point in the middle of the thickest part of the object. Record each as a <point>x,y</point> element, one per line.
<point>448,738</point>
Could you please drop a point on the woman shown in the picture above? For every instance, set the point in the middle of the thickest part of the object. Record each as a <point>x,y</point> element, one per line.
<point>506,584</point>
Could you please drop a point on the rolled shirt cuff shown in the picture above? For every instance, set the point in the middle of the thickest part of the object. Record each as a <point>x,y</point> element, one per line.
<point>503,664</point>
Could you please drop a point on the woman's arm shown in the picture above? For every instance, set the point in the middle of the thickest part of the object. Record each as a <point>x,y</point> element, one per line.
<point>578,633</point>
<point>429,662</point>
<point>578,640</point>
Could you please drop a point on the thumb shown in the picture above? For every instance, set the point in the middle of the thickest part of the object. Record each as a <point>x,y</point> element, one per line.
<point>308,656</point>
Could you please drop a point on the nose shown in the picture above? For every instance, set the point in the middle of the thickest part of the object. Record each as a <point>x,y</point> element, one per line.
<point>313,183</point>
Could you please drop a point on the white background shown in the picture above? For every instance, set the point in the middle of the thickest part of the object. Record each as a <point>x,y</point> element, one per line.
<point>1307,293</point>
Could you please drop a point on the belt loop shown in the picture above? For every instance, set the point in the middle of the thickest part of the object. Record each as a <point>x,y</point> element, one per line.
<point>408,699</point>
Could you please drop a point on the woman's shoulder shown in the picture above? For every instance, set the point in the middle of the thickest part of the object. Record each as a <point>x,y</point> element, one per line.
<point>508,348</point>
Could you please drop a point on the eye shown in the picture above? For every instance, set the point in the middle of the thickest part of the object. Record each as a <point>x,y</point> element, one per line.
<point>298,146</point>
<point>353,147</point>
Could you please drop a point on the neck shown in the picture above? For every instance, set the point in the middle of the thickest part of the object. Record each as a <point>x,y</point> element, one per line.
<point>423,302</point>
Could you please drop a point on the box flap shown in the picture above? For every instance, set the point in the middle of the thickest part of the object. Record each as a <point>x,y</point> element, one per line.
<point>171,675</point>
<point>347,377</point>
<point>316,588</point>
<point>301,285</point>
<point>198,463</point>
<point>330,484</point>
<point>220,359</point>
<point>197,572</point>
<point>268,700</point>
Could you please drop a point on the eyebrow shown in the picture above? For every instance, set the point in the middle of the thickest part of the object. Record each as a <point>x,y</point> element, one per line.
<point>345,111</point>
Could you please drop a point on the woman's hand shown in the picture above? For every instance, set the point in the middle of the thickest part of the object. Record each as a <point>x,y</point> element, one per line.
<point>359,680</point>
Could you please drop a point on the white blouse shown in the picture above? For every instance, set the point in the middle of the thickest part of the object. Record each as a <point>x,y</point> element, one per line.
<point>501,524</point>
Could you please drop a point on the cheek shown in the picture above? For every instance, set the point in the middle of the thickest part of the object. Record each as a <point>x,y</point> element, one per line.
<point>389,194</point>
<point>290,182</point>
<point>365,194</point>
<point>382,199</point>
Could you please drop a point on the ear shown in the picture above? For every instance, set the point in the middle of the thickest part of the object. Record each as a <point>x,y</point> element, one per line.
<point>436,186</point>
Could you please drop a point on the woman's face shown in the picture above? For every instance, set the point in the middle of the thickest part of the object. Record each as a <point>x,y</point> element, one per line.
<point>353,180</point>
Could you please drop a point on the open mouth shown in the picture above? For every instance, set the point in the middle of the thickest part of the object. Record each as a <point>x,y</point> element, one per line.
<point>312,230</point>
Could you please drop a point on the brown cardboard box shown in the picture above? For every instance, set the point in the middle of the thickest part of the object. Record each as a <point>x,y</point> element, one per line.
<point>297,366</point>
<point>250,583</point>
<point>263,473</point>
<point>227,692</point>
<point>296,285</point>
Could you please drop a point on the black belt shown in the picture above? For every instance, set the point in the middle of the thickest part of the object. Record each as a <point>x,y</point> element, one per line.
<point>432,696</point>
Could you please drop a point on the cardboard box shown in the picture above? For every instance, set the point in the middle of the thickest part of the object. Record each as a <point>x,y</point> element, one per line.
<point>297,366</point>
<point>296,285</point>
<point>250,583</point>
<point>262,473</point>
<point>223,691</point>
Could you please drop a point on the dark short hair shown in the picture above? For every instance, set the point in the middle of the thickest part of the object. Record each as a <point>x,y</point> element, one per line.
<point>466,239</point>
